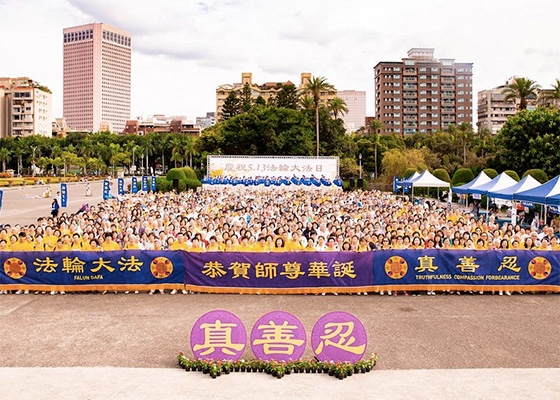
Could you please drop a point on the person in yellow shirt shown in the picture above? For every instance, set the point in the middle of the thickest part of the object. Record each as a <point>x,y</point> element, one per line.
<point>244,245</point>
<point>3,245</point>
<point>279,245</point>
<point>76,242</point>
<point>213,245</point>
<point>50,239</point>
<point>39,245</point>
<point>196,246</point>
<point>94,245</point>
<point>261,246</point>
<point>108,244</point>
<point>22,244</point>
<point>310,245</point>
<point>132,243</point>
<point>180,243</point>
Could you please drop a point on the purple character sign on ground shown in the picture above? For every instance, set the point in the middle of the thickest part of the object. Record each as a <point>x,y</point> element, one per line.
<point>218,335</point>
<point>278,335</point>
<point>339,336</point>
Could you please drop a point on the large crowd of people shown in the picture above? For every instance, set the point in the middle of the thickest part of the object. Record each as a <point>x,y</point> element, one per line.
<point>258,221</point>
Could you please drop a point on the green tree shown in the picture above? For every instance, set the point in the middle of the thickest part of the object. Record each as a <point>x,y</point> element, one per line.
<point>232,106</point>
<point>337,106</point>
<point>246,98</point>
<point>521,89</point>
<point>529,139</point>
<point>5,157</point>
<point>287,96</point>
<point>396,161</point>
<point>307,103</point>
<point>316,87</point>
<point>551,97</point>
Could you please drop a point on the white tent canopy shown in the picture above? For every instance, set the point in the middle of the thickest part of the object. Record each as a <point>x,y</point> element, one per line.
<point>481,179</point>
<point>500,182</point>
<point>426,179</point>
<point>524,184</point>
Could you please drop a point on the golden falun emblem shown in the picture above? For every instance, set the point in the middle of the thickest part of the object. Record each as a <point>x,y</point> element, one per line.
<point>539,268</point>
<point>161,267</point>
<point>396,267</point>
<point>15,268</point>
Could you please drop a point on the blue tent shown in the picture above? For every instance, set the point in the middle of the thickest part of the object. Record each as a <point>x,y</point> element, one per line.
<point>524,184</point>
<point>542,193</point>
<point>502,181</point>
<point>481,179</point>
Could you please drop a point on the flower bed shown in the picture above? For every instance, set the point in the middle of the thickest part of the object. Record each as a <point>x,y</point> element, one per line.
<point>278,369</point>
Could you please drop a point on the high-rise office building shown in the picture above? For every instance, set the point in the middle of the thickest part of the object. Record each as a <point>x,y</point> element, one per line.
<point>355,101</point>
<point>422,94</point>
<point>96,77</point>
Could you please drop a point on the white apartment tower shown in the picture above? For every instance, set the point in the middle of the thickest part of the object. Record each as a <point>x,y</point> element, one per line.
<point>96,77</point>
<point>355,101</point>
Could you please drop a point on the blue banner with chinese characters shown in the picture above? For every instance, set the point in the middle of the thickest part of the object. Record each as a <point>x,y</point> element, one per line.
<point>106,190</point>
<point>436,269</point>
<point>63,195</point>
<point>85,270</point>
<point>145,186</point>
<point>134,185</point>
<point>120,186</point>
<point>154,184</point>
<point>293,272</point>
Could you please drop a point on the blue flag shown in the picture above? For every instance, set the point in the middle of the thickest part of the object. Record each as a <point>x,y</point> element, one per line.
<point>106,190</point>
<point>1,196</point>
<point>153,183</point>
<point>134,185</point>
<point>145,187</point>
<point>63,194</point>
<point>120,186</point>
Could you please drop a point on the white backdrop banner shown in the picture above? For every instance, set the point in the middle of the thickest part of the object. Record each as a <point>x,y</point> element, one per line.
<point>274,166</point>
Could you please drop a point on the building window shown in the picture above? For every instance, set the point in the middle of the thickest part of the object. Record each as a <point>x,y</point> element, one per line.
<point>409,62</point>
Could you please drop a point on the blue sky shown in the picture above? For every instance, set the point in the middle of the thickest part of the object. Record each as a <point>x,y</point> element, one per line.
<point>182,50</point>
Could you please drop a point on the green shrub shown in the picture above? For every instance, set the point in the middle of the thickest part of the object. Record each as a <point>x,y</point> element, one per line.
<point>189,173</point>
<point>442,174</point>
<point>163,185</point>
<point>492,173</point>
<point>175,173</point>
<point>462,176</point>
<point>192,184</point>
<point>409,172</point>
<point>512,174</point>
<point>538,174</point>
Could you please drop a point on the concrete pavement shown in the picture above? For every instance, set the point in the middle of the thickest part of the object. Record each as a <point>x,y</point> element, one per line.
<point>169,384</point>
<point>24,204</point>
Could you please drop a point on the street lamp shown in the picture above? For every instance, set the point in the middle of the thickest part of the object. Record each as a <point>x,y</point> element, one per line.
<point>133,150</point>
<point>33,168</point>
<point>360,157</point>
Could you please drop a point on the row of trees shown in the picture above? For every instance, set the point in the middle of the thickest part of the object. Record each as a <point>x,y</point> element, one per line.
<point>99,153</point>
<point>291,124</point>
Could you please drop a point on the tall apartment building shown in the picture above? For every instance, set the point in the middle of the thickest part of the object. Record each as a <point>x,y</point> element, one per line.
<point>25,108</point>
<point>422,94</point>
<point>355,101</point>
<point>96,78</point>
<point>266,91</point>
<point>493,110</point>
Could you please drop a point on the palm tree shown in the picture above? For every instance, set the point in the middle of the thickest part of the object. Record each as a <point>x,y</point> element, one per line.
<point>338,106</point>
<point>5,156</point>
<point>520,89</point>
<point>318,86</point>
<point>307,103</point>
<point>376,127</point>
<point>551,96</point>
<point>177,149</point>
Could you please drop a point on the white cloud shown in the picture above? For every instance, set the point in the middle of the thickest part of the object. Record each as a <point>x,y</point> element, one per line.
<point>183,50</point>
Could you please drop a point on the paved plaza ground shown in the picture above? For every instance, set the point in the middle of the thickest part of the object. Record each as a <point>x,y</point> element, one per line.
<point>430,347</point>
<point>24,204</point>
